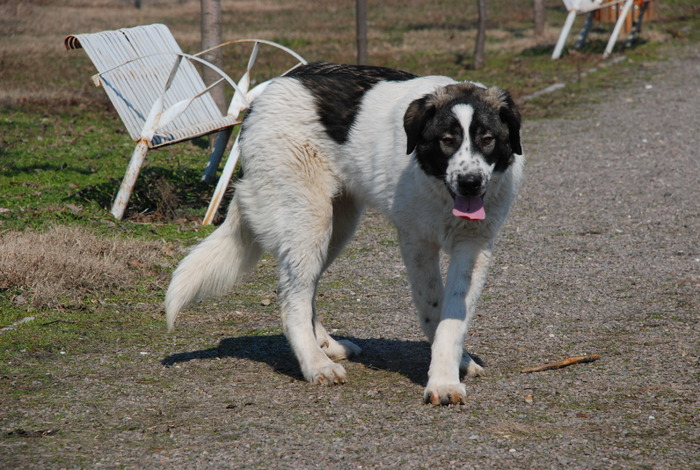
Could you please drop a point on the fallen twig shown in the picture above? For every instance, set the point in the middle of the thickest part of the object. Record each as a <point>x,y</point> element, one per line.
<point>563,363</point>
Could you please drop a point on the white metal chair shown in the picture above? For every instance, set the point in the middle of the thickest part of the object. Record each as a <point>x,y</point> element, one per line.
<point>576,7</point>
<point>161,98</point>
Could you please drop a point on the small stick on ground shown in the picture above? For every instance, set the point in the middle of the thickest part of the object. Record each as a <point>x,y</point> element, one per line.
<point>564,363</point>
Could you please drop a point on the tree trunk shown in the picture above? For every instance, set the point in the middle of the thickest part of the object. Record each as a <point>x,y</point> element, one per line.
<point>211,36</point>
<point>480,35</point>
<point>539,15</point>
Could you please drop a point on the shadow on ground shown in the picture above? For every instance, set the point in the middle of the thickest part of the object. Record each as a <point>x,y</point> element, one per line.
<point>164,194</point>
<point>408,358</point>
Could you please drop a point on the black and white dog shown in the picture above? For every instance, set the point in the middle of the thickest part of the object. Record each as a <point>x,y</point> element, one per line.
<point>440,159</point>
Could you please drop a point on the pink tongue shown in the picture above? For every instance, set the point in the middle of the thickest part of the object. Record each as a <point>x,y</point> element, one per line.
<point>469,207</point>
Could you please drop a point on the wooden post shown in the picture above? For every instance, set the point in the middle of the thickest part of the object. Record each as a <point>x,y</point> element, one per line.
<point>211,36</point>
<point>539,17</point>
<point>361,16</point>
<point>480,35</point>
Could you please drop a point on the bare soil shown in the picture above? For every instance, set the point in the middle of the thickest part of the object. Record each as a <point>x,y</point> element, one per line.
<point>599,256</point>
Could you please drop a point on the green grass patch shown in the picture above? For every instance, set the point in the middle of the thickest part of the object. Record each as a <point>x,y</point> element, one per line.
<point>66,169</point>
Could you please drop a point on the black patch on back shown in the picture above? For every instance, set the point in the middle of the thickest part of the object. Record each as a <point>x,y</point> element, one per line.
<point>338,91</point>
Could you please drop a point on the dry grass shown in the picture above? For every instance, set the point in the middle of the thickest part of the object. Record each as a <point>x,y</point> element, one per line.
<point>35,68</point>
<point>66,265</point>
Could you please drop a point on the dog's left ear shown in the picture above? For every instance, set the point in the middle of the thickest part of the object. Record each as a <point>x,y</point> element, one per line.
<point>510,115</point>
<point>415,119</point>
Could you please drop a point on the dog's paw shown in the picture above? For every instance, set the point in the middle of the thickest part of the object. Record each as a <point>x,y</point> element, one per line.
<point>471,366</point>
<point>342,349</point>
<point>445,394</point>
<point>328,374</point>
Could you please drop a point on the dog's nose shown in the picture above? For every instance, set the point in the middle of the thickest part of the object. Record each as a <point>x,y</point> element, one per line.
<point>470,185</point>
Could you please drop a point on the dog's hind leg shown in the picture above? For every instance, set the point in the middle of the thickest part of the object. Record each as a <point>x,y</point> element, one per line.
<point>300,265</point>
<point>471,365</point>
<point>299,232</point>
<point>334,349</point>
<point>346,214</point>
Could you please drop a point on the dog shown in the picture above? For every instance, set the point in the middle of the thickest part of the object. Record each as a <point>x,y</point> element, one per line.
<point>441,159</point>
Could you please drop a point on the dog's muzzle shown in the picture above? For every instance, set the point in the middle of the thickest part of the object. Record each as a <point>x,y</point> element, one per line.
<point>470,185</point>
<point>468,206</point>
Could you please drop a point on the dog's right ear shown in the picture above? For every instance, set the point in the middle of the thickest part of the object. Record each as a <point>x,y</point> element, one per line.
<point>417,115</point>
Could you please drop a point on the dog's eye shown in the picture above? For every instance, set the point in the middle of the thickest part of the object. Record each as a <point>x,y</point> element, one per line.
<point>486,139</point>
<point>447,140</point>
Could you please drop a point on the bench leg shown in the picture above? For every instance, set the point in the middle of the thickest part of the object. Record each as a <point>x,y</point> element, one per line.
<point>637,25</point>
<point>583,35</point>
<point>618,26</point>
<point>127,186</point>
<point>563,35</point>
<point>222,184</point>
<point>215,159</point>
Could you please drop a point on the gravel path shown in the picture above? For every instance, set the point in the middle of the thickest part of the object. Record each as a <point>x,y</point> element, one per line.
<point>600,256</point>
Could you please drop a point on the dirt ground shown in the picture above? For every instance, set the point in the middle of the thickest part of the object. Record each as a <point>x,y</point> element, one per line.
<point>600,256</point>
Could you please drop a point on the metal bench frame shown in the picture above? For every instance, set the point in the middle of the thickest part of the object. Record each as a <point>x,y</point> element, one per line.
<point>161,98</point>
<point>577,7</point>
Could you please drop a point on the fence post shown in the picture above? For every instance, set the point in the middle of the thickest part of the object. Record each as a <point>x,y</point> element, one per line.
<point>361,14</point>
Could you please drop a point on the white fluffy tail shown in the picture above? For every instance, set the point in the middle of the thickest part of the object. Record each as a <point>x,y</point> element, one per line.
<point>214,265</point>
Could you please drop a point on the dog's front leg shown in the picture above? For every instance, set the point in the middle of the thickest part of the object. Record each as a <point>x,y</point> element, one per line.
<point>465,278</point>
<point>422,260</point>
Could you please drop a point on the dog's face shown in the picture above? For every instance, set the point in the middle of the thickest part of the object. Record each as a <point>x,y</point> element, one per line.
<point>462,134</point>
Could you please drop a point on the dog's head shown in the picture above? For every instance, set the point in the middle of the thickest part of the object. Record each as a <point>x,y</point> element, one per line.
<point>462,134</point>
